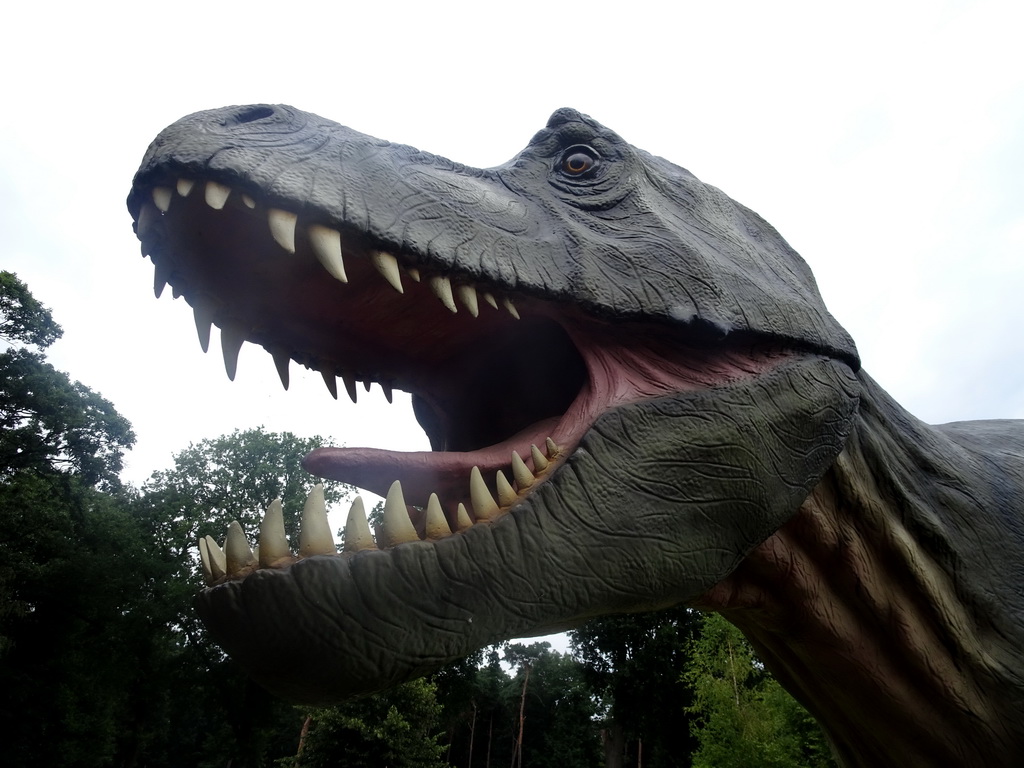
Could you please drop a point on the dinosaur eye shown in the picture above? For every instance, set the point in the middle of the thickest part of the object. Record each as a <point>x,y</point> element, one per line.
<point>578,160</point>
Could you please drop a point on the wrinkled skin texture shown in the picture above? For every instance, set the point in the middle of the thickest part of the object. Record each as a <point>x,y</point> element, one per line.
<point>715,441</point>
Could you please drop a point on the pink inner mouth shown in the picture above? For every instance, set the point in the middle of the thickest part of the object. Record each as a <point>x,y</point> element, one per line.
<point>619,371</point>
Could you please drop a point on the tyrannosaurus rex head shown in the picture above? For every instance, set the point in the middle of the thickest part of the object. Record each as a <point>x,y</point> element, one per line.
<point>628,380</point>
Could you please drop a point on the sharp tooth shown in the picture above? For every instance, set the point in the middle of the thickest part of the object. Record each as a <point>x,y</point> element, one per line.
<point>467,295</point>
<point>387,265</point>
<point>332,383</point>
<point>218,563</point>
<point>484,506</point>
<point>386,387</point>
<point>148,216</point>
<point>161,276</point>
<point>249,202</point>
<point>204,557</point>
<point>216,195</point>
<point>281,362</point>
<point>236,550</point>
<point>442,288</point>
<point>203,312</point>
<point>396,527</point>
<point>162,197</point>
<point>357,530</point>
<point>521,472</point>
<point>413,273</point>
<point>350,386</point>
<point>232,336</point>
<point>282,227</point>
<point>367,384</point>
<point>184,186</point>
<point>540,462</point>
<point>326,244</point>
<point>315,534</point>
<point>489,298</point>
<point>511,308</point>
<point>552,448</point>
<point>273,544</point>
<point>506,493</point>
<point>462,518</point>
<point>175,292</point>
<point>437,525</point>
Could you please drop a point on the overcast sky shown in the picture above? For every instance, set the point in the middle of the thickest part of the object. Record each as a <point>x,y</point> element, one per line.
<point>885,141</point>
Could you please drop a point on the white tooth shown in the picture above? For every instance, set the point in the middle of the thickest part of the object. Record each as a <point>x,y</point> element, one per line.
<point>216,195</point>
<point>315,533</point>
<point>540,462</point>
<point>218,563</point>
<point>437,525</point>
<point>442,288</point>
<point>203,313</point>
<point>396,527</point>
<point>467,295</point>
<point>484,506</point>
<point>148,216</point>
<point>521,472</point>
<point>387,265</point>
<point>161,276</point>
<point>232,336</point>
<point>249,202</point>
<point>162,198</point>
<point>326,244</point>
<point>489,298</point>
<point>281,361</point>
<point>552,448</point>
<point>204,558</point>
<point>413,273</point>
<point>506,493</point>
<point>350,386</point>
<point>273,544</point>
<point>511,308</point>
<point>282,227</point>
<point>357,530</point>
<point>331,382</point>
<point>184,186</point>
<point>462,518</point>
<point>386,387</point>
<point>236,550</point>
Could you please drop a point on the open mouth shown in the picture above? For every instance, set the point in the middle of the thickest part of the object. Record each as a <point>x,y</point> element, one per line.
<point>504,384</point>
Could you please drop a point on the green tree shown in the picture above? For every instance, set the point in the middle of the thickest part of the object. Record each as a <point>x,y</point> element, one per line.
<point>399,729</point>
<point>49,423</point>
<point>211,709</point>
<point>644,710</point>
<point>72,558</point>
<point>743,716</point>
<point>22,317</point>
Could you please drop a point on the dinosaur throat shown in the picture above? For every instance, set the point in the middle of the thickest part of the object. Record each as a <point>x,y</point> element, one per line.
<point>505,384</point>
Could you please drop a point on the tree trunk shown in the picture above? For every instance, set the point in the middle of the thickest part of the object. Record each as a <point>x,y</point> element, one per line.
<point>614,738</point>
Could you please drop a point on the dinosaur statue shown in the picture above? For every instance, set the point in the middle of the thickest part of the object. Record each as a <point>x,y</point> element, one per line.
<point>635,398</point>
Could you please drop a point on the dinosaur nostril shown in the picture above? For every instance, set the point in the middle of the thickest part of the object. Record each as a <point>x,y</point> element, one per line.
<point>252,114</point>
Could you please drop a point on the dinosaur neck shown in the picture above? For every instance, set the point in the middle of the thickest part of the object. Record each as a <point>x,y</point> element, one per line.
<point>846,605</point>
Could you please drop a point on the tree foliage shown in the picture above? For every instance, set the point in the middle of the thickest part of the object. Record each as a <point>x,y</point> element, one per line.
<point>22,317</point>
<point>49,423</point>
<point>399,729</point>
<point>624,660</point>
<point>743,716</point>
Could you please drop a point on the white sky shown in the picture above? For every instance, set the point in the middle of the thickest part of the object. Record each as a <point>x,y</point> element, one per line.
<point>885,141</point>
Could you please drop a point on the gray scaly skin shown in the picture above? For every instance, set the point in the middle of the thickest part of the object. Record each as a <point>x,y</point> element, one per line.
<point>675,417</point>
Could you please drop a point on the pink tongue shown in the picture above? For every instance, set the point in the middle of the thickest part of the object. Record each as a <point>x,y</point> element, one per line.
<point>425,472</point>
